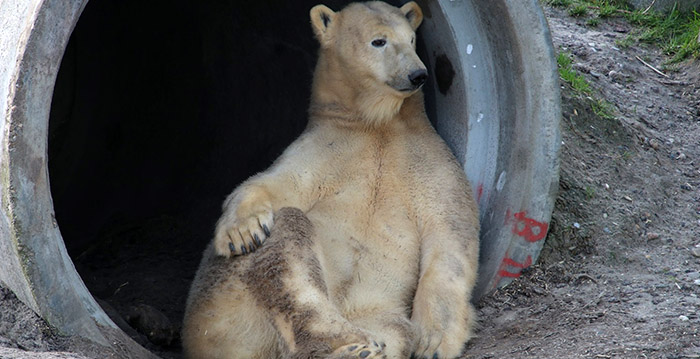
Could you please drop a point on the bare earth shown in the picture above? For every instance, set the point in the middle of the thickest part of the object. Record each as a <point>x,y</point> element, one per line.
<point>618,277</point>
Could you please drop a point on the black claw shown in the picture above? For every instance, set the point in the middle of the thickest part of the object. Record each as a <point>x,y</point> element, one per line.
<point>435,356</point>
<point>252,247</point>
<point>232,247</point>
<point>266,230</point>
<point>244,250</point>
<point>364,354</point>
<point>413,355</point>
<point>375,343</point>
<point>383,345</point>
<point>257,240</point>
<point>352,348</point>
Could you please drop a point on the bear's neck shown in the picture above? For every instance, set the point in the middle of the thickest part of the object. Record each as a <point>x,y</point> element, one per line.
<point>350,99</point>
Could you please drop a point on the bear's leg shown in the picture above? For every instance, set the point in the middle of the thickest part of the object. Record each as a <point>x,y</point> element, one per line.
<point>286,278</point>
<point>223,318</point>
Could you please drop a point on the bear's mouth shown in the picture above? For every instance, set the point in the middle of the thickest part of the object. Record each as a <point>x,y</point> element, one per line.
<point>405,89</point>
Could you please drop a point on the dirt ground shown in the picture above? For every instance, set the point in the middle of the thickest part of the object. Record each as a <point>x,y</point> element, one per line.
<point>620,273</point>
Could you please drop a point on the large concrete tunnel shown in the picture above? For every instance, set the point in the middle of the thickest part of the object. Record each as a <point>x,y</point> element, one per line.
<point>125,123</point>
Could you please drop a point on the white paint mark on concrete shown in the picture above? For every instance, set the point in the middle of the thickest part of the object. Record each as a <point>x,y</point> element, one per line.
<point>501,181</point>
<point>470,48</point>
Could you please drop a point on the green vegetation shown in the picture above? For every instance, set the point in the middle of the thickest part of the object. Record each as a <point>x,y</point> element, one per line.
<point>675,32</point>
<point>580,86</point>
<point>590,192</point>
<point>570,76</point>
<point>578,10</point>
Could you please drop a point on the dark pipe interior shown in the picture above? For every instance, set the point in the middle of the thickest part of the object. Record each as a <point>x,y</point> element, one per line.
<point>160,109</point>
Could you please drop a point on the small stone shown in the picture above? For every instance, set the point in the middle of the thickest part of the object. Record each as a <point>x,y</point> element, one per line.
<point>616,76</point>
<point>695,252</point>
<point>577,225</point>
<point>654,143</point>
<point>652,236</point>
<point>681,156</point>
<point>683,318</point>
<point>627,198</point>
<point>607,230</point>
<point>696,282</point>
<point>687,186</point>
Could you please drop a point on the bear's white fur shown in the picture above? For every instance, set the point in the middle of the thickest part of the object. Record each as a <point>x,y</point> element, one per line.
<point>377,256</point>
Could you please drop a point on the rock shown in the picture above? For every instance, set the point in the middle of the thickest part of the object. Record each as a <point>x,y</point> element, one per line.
<point>683,318</point>
<point>120,322</point>
<point>687,186</point>
<point>654,143</point>
<point>695,252</point>
<point>152,323</point>
<point>652,236</point>
<point>617,76</point>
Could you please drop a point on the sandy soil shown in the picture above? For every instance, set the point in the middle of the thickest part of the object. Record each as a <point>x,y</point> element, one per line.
<point>620,274</point>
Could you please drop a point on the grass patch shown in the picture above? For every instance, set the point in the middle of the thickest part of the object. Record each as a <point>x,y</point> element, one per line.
<point>578,83</point>
<point>675,32</point>
<point>570,76</point>
<point>578,10</point>
<point>603,109</point>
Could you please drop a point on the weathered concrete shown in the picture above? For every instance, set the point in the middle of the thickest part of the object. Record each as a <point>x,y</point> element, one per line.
<point>666,5</point>
<point>500,115</point>
<point>33,258</point>
<point>493,97</point>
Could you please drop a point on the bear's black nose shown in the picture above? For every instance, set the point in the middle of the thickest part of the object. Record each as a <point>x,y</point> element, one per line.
<point>418,77</point>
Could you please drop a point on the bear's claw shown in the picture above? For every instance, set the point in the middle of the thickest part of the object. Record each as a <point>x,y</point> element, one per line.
<point>245,228</point>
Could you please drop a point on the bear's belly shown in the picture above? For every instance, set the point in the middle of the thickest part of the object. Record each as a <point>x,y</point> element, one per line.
<point>370,253</point>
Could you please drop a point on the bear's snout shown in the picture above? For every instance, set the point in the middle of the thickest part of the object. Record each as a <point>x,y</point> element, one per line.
<point>418,77</point>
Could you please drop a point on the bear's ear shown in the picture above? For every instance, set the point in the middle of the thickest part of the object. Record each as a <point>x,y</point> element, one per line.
<point>321,19</point>
<point>413,14</point>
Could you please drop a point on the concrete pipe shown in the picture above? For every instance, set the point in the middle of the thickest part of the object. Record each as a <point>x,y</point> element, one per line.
<point>146,114</point>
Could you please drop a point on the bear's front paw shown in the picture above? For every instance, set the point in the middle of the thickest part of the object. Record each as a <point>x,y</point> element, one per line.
<point>243,229</point>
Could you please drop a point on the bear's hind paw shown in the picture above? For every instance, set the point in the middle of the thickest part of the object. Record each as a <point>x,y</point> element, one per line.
<point>371,350</point>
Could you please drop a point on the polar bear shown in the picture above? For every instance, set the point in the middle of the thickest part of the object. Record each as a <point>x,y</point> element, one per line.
<point>361,240</point>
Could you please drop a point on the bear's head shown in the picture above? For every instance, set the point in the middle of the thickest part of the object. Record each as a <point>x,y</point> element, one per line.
<point>368,56</point>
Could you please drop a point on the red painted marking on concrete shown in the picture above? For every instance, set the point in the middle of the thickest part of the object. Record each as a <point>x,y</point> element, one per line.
<point>479,192</point>
<point>506,262</point>
<point>528,228</point>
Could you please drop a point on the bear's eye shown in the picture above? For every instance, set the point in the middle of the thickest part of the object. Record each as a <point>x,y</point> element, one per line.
<point>378,42</point>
